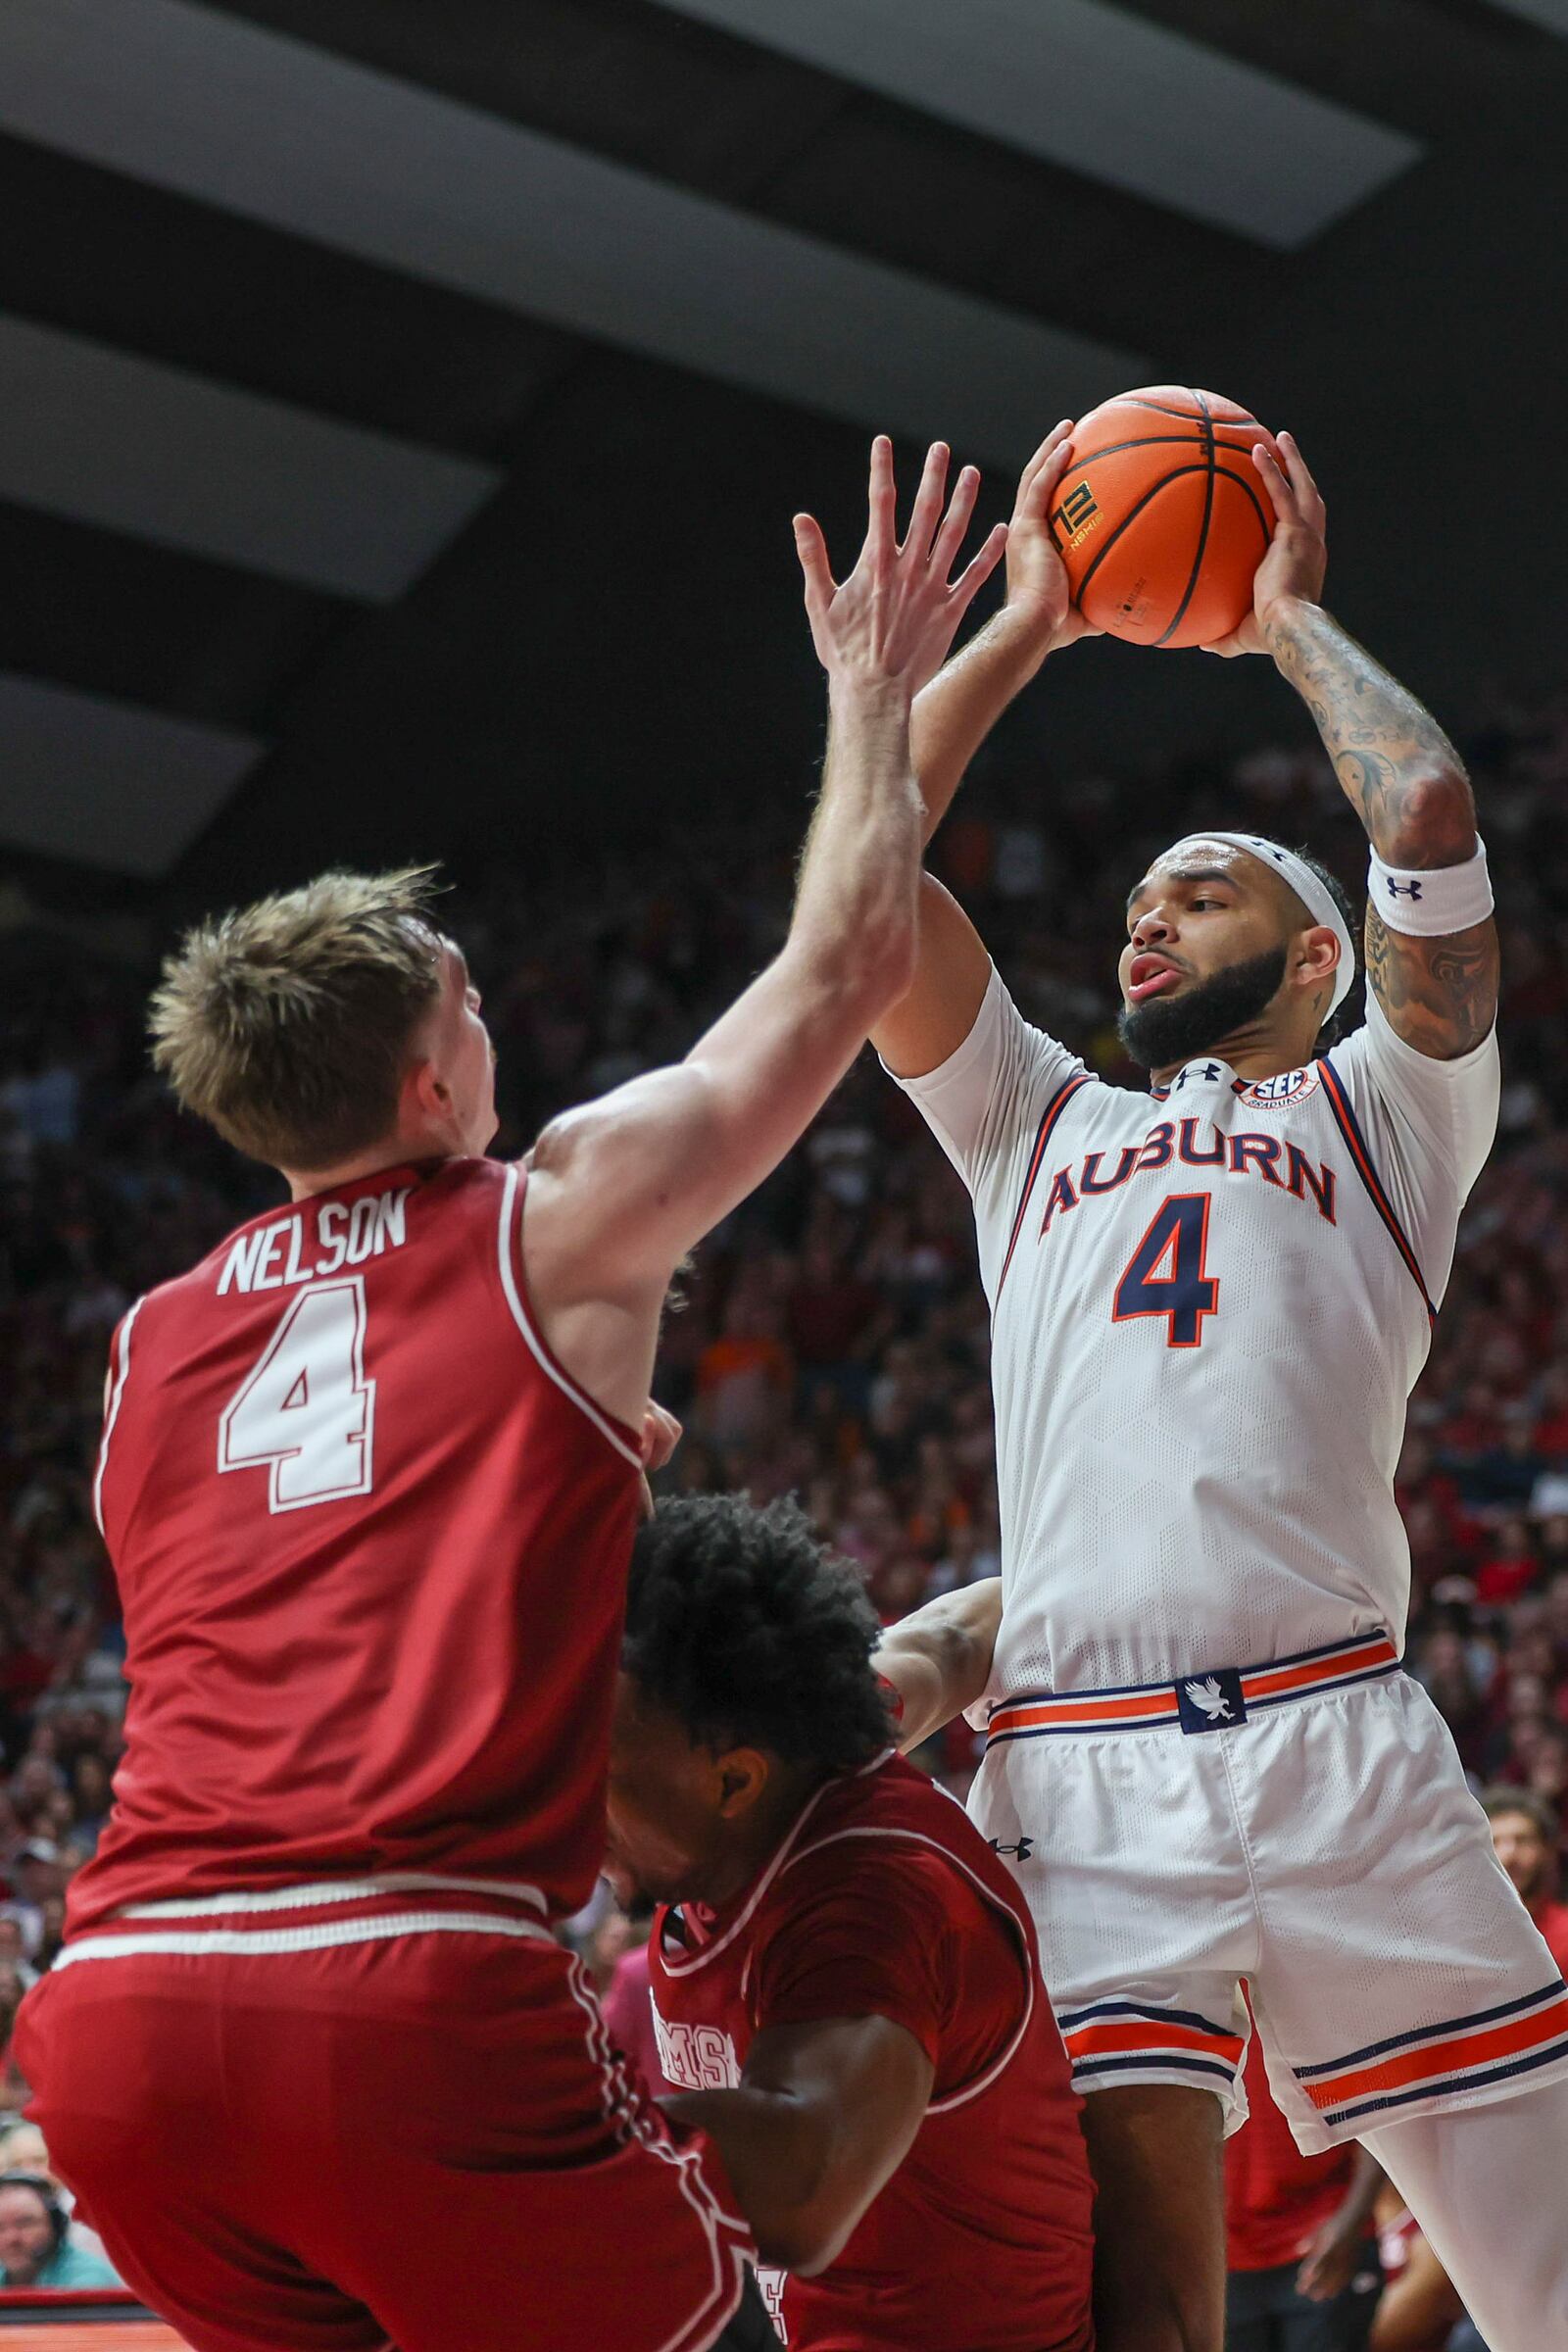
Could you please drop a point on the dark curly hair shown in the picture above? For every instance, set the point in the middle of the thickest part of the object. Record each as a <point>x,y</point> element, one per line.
<point>749,1632</point>
<point>1338,1023</point>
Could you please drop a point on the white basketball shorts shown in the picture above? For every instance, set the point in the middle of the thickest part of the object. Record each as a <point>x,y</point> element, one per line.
<point>1306,1825</point>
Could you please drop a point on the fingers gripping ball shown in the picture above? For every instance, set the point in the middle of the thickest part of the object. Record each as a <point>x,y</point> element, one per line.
<point>1161,518</point>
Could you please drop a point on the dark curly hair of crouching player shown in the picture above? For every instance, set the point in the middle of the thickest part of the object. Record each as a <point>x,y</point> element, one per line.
<point>751,1633</point>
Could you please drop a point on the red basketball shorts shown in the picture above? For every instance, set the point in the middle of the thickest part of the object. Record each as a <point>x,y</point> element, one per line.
<point>425,2140</point>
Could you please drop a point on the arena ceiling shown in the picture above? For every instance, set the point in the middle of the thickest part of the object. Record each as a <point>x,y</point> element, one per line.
<point>401,406</point>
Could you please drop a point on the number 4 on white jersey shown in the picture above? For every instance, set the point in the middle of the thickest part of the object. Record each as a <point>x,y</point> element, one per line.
<point>306,1410</point>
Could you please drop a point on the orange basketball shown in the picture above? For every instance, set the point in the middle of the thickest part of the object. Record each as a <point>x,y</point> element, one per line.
<point>1162,519</point>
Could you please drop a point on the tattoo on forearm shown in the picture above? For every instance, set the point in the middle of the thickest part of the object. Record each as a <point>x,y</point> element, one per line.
<point>1398,769</point>
<point>1439,995</point>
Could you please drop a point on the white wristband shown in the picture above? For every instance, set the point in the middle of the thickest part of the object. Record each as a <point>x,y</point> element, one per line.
<point>1432,901</point>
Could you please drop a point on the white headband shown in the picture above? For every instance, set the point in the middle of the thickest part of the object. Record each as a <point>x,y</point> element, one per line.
<point>1309,887</point>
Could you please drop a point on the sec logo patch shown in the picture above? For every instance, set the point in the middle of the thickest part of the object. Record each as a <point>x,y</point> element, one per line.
<point>1289,1086</point>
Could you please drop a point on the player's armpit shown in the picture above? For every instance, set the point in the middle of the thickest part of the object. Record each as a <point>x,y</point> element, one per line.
<point>938,1659</point>
<point>953,970</point>
<point>1439,995</point>
<point>824,2115</point>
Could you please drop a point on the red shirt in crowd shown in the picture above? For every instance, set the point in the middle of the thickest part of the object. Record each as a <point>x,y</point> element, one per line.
<point>371,1546</point>
<point>1276,2199</point>
<point>885,1901</point>
<point>1552,1921</point>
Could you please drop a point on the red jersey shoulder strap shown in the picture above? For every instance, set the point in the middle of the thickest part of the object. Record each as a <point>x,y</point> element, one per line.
<point>514,1284</point>
<point>114,1391</point>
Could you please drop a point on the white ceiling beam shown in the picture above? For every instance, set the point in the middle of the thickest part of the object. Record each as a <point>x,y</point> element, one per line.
<point>1107,93</point>
<point>289,134</point>
<point>1552,14</point>
<point>163,455</point>
<point>109,783</point>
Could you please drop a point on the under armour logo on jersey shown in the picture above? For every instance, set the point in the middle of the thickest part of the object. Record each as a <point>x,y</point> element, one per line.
<point>1019,1852</point>
<point>1211,1699</point>
<point>1209,1072</point>
<point>1403,890</point>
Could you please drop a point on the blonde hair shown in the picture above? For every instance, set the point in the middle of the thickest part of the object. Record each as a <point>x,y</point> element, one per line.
<point>288,1025</point>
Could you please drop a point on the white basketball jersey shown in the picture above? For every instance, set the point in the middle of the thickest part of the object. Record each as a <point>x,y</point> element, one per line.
<point>1210,1305</point>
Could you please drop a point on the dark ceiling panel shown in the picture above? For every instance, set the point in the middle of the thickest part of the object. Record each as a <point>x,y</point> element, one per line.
<point>108,255</point>
<point>1425,66</point>
<point>1104,92</point>
<point>722,117</point>
<point>93,608</point>
<point>715,113</point>
<point>1026,234</point>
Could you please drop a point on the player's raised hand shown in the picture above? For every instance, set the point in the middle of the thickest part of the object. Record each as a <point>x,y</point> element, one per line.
<point>893,619</point>
<point>1039,594</point>
<point>1297,553</point>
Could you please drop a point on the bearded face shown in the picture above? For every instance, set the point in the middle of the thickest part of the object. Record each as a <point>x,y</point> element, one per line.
<point>1166,1030</point>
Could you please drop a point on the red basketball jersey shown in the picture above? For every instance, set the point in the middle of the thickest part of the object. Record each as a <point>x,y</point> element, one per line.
<point>371,1545</point>
<point>884,1900</point>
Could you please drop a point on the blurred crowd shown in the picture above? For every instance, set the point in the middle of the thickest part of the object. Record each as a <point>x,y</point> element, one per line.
<point>831,1339</point>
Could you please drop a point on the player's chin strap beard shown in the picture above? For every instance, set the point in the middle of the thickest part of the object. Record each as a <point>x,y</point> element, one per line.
<point>1168,1030</point>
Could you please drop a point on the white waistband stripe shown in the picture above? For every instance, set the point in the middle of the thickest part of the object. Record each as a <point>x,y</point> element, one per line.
<point>331,1890</point>
<point>246,1943</point>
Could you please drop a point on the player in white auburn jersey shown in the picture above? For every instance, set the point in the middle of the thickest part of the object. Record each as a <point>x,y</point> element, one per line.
<point>1209,1304</point>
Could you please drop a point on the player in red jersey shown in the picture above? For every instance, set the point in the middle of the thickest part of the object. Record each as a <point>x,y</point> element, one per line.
<point>370,1477</point>
<point>844,1976</point>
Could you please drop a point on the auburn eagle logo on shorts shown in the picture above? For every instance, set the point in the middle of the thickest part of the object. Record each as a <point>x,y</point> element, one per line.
<point>1211,1699</point>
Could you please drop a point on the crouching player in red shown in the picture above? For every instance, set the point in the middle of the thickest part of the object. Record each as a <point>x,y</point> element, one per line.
<point>844,1975</point>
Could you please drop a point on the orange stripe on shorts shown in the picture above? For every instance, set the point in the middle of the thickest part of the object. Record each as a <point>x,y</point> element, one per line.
<point>1149,2033</point>
<point>1444,2057</point>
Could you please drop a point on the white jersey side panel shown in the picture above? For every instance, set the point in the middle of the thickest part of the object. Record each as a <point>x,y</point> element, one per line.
<point>1210,1305</point>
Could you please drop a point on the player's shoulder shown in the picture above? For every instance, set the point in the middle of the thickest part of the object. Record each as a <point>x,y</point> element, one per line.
<point>889,1819</point>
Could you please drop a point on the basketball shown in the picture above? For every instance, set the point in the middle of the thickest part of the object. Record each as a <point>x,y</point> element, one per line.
<point>1162,519</point>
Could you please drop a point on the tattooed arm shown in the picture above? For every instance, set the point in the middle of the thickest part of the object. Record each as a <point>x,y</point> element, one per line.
<point>1407,784</point>
<point>1399,771</point>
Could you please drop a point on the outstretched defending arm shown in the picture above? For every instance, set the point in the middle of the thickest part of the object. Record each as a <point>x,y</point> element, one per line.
<point>952,719</point>
<point>1401,773</point>
<point>622,1187</point>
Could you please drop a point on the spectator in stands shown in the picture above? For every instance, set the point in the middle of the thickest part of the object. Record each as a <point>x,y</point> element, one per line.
<point>1420,2309</point>
<point>34,1879</point>
<point>1524,1836</point>
<point>1511,1566</point>
<point>23,2149</point>
<point>605,1941</point>
<point>90,1791</point>
<point>628,2006</point>
<point>1301,2261</point>
<point>35,2241</point>
<point>13,1953</point>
